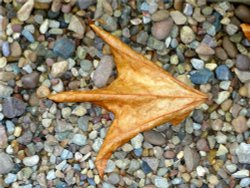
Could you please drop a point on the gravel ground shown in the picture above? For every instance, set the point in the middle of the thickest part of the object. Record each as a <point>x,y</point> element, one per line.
<point>46,46</point>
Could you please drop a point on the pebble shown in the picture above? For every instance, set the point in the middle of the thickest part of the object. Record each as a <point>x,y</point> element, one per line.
<point>10,178</point>
<point>243,13</point>
<point>77,25</point>
<point>223,73</point>
<point>201,76</point>
<point>197,63</point>
<point>84,4</point>
<point>3,62</point>
<point>16,50</point>
<point>44,26</point>
<point>220,53</point>
<point>30,81</point>
<point>154,137</point>
<point>212,179</point>
<point>83,123</point>
<point>160,15</point>
<point>42,91</point>
<point>64,47</point>
<point>3,137</point>
<point>245,182</point>
<point>103,71</point>
<point>229,47</point>
<point>161,182</point>
<point>59,68</point>
<point>202,145</point>
<point>222,96</point>
<point>6,49</point>
<point>51,175</point>
<point>200,171</point>
<point>204,49</point>
<point>97,144</point>
<point>110,23</point>
<point>114,178</point>
<point>79,139</point>
<point>240,124</point>
<point>160,30</point>
<point>24,12</point>
<point>178,17</point>
<point>13,107</point>
<point>188,9</point>
<point>7,163</point>
<point>242,62</point>
<point>191,158</point>
<point>231,168</point>
<point>231,29</point>
<point>152,162</point>
<point>222,150</point>
<point>142,37</point>
<point>187,35</point>
<point>243,153</point>
<point>244,76</point>
<point>241,174</point>
<point>155,44</point>
<point>137,141</point>
<point>31,161</point>
<point>28,35</point>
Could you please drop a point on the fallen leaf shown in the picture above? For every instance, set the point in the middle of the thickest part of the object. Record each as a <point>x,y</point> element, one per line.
<point>246,30</point>
<point>142,97</point>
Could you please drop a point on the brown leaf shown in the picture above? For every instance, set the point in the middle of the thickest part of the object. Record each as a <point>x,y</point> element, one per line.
<point>142,97</point>
<point>246,30</point>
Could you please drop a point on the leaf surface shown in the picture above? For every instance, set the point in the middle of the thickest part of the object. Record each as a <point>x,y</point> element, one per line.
<point>142,97</point>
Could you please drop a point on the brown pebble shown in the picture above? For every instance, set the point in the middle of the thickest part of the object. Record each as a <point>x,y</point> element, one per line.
<point>42,91</point>
<point>226,105</point>
<point>243,13</point>
<point>169,154</point>
<point>161,29</point>
<point>220,53</point>
<point>240,124</point>
<point>229,47</point>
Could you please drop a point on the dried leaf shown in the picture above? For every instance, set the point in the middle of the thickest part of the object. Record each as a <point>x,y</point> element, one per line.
<point>142,97</point>
<point>246,30</point>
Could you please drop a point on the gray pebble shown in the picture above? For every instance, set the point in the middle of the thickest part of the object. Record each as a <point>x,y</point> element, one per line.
<point>6,163</point>
<point>243,153</point>
<point>154,137</point>
<point>13,107</point>
<point>79,139</point>
<point>5,91</point>
<point>30,81</point>
<point>191,158</point>
<point>114,178</point>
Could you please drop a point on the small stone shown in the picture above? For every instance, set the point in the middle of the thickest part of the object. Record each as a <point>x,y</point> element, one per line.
<point>222,96</point>
<point>31,161</point>
<point>3,137</point>
<point>231,168</point>
<point>242,62</point>
<point>155,44</point>
<point>241,174</point>
<point>188,9</point>
<point>3,62</point>
<point>160,30</point>
<point>240,124</point>
<point>243,153</point>
<point>110,23</point>
<point>245,182</point>
<point>161,182</point>
<point>10,178</point>
<point>202,145</point>
<point>64,47</point>
<point>6,163</point>
<point>202,76</point>
<point>160,15</point>
<point>244,76</point>
<point>77,25</point>
<point>197,63</point>
<point>51,175</point>
<point>229,47</point>
<point>231,29</point>
<point>200,171</point>
<point>5,91</point>
<point>110,166</point>
<point>13,107</point>
<point>114,178</point>
<point>142,37</point>
<point>191,158</point>
<point>83,123</point>
<point>42,92</point>
<point>59,68</point>
<point>44,26</point>
<point>103,71</point>
<point>84,4</point>
<point>79,111</point>
<point>187,34</point>
<point>152,162</point>
<point>137,141</point>
<point>46,122</point>
<point>212,179</point>
<point>204,49</point>
<point>223,73</point>
<point>220,53</point>
<point>24,12</point>
<point>222,150</point>
<point>28,35</point>
<point>243,13</point>
<point>5,48</point>
<point>16,50</point>
<point>26,138</point>
<point>30,81</point>
<point>154,137</point>
<point>178,17</point>
<point>97,144</point>
<point>221,138</point>
<point>79,140</point>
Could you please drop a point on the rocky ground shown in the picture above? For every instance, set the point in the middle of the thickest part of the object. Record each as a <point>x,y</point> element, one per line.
<point>46,47</point>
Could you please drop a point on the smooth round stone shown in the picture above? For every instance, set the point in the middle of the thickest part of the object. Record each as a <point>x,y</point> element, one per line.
<point>79,139</point>
<point>221,138</point>
<point>191,158</point>
<point>242,62</point>
<point>229,47</point>
<point>79,111</point>
<point>13,107</point>
<point>110,23</point>
<point>204,49</point>
<point>42,92</point>
<point>161,182</point>
<point>188,9</point>
<point>64,47</point>
<point>231,29</point>
<point>3,62</point>
<point>243,13</point>
<point>231,168</point>
<point>160,15</point>
<point>178,17</point>
<point>223,73</point>
<point>197,63</point>
<point>10,178</point>
<point>24,12</point>
<point>154,137</point>
<point>160,30</point>
<point>44,26</point>
<point>30,81</point>
<point>6,163</point>
<point>222,150</point>
<point>212,179</point>
<point>201,76</point>
<point>245,182</point>
<point>220,53</point>
<point>31,161</point>
<point>6,49</point>
<point>142,37</point>
<point>114,178</point>
<point>202,145</point>
<point>187,34</point>
<point>240,124</point>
